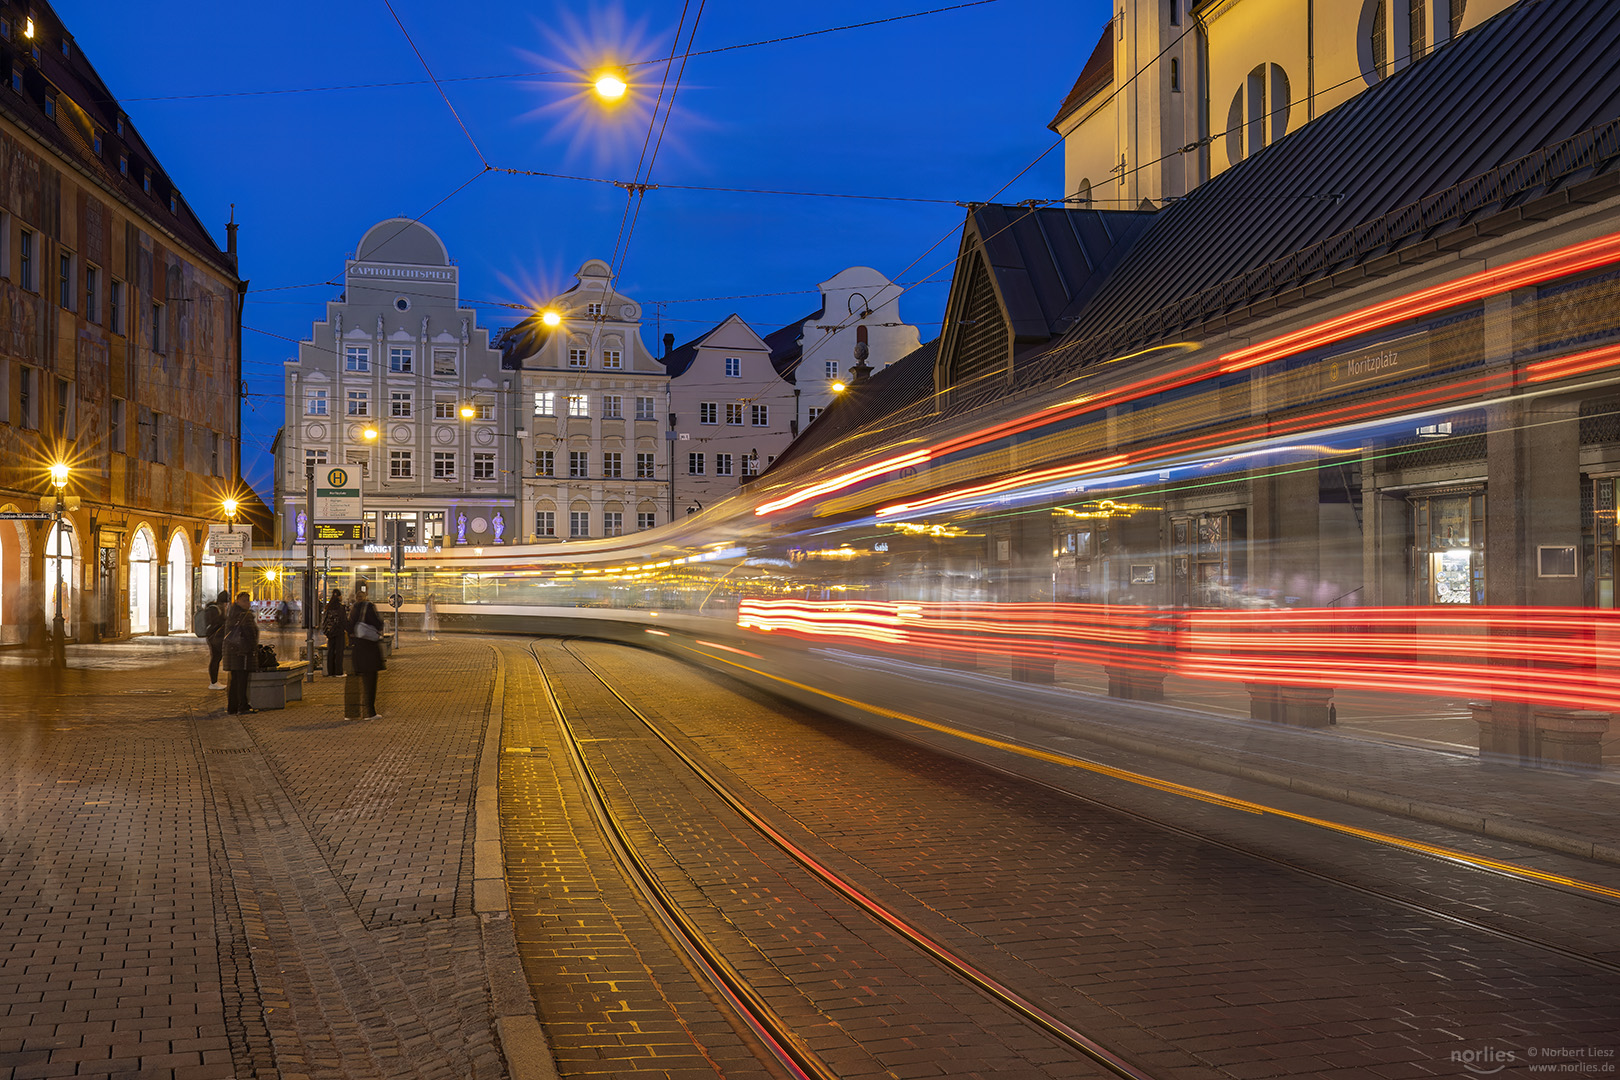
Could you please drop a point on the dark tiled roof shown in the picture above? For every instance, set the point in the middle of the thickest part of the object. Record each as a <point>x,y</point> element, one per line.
<point>1097,75</point>
<point>85,107</point>
<point>1048,263</point>
<point>1424,152</point>
<point>680,358</point>
<point>786,346</point>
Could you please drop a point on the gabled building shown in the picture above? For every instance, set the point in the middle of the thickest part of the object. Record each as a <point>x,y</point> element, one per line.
<point>120,356</point>
<point>595,402</point>
<point>399,383</point>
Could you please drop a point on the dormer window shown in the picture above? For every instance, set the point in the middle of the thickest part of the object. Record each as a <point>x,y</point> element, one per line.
<point>594,310</point>
<point>50,107</point>
<point>123,164</point>
<point>67,47</point>
<point>16,78</point>
<point>146,181</point>
<point>28,28</point>
<point>120,127</point>
<point>5,29</point>
<point>95,143</point>
<point>174,203</point>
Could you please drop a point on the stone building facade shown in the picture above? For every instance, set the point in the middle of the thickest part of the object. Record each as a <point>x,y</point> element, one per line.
<point>120,357</point>
<point>595,403</point>
<point>400,383</point>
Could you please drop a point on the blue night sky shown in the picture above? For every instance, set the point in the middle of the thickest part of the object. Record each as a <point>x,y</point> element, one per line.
<point>945,106</point>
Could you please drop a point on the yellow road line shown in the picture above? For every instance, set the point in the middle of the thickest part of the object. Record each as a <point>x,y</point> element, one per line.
<point>1169,787</point>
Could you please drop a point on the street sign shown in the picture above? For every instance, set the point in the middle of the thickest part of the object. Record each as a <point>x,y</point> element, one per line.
<point>337,493</point>
<point>338,532</point>
<point>227,547</point>
<point>27,515</point>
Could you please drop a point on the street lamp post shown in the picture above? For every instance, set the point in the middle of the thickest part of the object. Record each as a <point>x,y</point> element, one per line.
<point>230,516</point>
<point>59,479</point>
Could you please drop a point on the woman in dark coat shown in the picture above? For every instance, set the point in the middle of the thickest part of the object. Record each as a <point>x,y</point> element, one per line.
<point>366,654</point>
<point>334,624</point>
<point>241,652</point>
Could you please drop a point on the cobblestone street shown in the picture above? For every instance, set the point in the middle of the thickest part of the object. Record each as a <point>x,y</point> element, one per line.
<point>288,893</point>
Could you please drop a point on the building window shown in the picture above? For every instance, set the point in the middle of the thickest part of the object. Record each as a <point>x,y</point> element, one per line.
<point>545,462</point>
<point>174,203</point>
<point>815,411</point>
<point>444,361</point>
<point>444,465</point>
<point>123,164</point>
<point>612,407</point>
<point>485,408</point>
<point>694,464</point>
<point>16,78</point>
<point>5,29</point>
<point>115,306</point>
<point>646,467</point>
<point>722,464</point>
<point>146,181</point>
<point>155,449</point>
<point>50,107</point>
<point>92,293</point>
<point>612,465</point>
<point>314,457</point>
<point>315,403</point>
<point>357,358</point>
<point>399,464</point>
<point>64,280</point>
<point>359,403</point>
<point>64,398</point>
<point>67,48</point>
<point>612,523</point>
<point>401,359</point>
<point>120,123</point>
<point>578,405</point>
<point>734,414</point>
<point>832,369</point>
<point>645,522</point>
<point>1175,74</point>
<point>444,407</point>
<point>579,464</point>
<point>545,403</point>
<point>25,259</point>
<point>483,466</point>
<point>733,367</point>
<point>115,425</point>
<point>579,524</point>
<point>762,415</point>
<point>25,396</point>
<point>708,412</point>
<point>213,453</point>
<point>158,328</point>
<point>644,408</point>
<point>750,465</point>
<point>545,523</point>
<point>1175,12</point>
<point>361,460</point>
<point>612,359</point>
<point>95,143</point>
<point>578,358</point>
<point>594,310</point>
<point>399,404</point>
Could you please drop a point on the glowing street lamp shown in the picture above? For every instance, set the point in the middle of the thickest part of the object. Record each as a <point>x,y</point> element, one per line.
<point>610,86</point>
<point>229,505</point>
<point>468,412</point>
<point>370,433</point>
<point>839,388</point>
<point>551,318</point>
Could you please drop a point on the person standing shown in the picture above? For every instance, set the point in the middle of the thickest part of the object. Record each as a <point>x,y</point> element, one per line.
<point>214,627</point>
<point>241,639</point>
<point>430,617</point>
<point>333,625</point>
<point>365,638</point>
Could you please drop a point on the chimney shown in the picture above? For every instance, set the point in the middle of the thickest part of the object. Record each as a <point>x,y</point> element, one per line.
<point>230,236</point>
<point>669,344</point>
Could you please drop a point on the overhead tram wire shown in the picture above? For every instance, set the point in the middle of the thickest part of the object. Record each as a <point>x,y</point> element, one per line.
<point>423,60</point>
<point>540,74</point>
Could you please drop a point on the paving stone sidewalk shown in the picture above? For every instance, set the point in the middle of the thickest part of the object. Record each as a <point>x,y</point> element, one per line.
<point>286,894</point>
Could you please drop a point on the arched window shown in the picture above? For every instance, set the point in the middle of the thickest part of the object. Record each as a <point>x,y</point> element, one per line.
<point>1259,113</point>
<point>180,600</point>
<point>1082,194</point>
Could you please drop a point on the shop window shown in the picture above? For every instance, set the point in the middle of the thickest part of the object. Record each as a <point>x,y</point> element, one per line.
<point>1448,534</point>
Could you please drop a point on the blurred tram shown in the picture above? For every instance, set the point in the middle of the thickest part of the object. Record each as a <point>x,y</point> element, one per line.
<point>1405,498</point>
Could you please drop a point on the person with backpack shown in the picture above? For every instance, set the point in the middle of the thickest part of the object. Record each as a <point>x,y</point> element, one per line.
<point>334,622</point>
<point>211,625</point>
<point>241,638</point>
<point>365,644</point>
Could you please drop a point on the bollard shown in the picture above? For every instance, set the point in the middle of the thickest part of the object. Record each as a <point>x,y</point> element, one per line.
<point>351,697</point>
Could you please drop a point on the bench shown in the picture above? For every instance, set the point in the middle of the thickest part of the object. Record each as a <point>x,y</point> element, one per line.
<point>272,689</point>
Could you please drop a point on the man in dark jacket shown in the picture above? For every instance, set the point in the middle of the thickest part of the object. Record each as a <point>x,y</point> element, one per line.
<point>334,622</point>
<point>365,649</point>
<point>241,639</point>
<point>214,614</point>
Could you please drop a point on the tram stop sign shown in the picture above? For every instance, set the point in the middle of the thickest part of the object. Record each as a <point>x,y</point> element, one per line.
<point>337,493</point>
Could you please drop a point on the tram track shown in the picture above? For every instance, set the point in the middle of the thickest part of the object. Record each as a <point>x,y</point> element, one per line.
<point>778,1035</point>
<point>786,1048</point>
